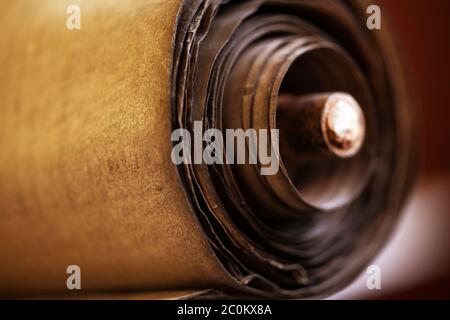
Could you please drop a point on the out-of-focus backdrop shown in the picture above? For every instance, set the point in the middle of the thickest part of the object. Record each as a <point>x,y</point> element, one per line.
<point>416,262</point>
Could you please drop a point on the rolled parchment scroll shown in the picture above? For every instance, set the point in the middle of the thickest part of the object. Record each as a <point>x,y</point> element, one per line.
<point>86,118</point>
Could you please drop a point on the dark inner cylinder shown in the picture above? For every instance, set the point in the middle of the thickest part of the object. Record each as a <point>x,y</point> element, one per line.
<point>323,180</point>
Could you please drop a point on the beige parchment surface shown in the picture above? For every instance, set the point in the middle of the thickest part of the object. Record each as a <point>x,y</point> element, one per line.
<point>85,170</point>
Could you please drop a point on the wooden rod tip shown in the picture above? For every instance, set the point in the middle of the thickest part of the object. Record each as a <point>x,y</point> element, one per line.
<point>343,125</point>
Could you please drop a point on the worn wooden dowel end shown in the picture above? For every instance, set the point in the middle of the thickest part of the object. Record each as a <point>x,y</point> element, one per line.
<point>321,124</point>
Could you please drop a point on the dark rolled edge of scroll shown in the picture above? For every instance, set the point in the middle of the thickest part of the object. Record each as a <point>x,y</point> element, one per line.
<point>310,251</point>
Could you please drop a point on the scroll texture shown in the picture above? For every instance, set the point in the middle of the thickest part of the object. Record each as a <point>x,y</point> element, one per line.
<point>86,176</point>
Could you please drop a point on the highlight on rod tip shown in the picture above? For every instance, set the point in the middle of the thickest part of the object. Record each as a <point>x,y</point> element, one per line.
<point>343,125</point>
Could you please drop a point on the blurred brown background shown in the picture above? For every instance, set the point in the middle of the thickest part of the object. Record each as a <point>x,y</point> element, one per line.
<point>424,28</point>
